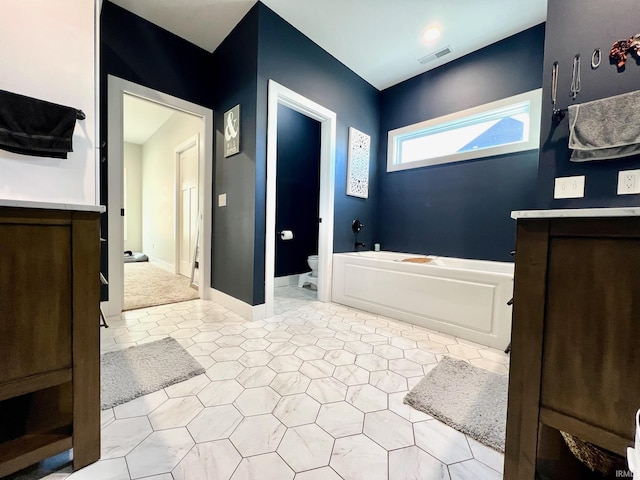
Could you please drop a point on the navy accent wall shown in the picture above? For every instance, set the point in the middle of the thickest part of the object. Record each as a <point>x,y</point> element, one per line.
<point>139,51</point>
<point>461,209</point>
<point>234,65</point>
<point>297,190</point>
<point>291,59</point>
<point>577,27</point>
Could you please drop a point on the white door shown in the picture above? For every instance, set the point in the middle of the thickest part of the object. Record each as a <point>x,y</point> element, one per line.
<point>187,208</point>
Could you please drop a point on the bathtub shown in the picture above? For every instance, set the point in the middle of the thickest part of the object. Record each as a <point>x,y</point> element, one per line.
<point>465,298</point>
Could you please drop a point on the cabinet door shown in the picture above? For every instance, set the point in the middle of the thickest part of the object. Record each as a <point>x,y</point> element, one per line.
<point>35,299</point>
<point>591,338</point>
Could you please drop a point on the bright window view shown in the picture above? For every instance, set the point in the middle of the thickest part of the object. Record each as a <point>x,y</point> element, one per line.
<point>496,128</point>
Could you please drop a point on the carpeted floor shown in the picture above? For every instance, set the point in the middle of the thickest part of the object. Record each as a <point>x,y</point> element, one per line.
<point>146,285</point>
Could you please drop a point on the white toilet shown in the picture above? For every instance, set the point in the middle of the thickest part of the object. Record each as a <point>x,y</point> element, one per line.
<point>312,276</point>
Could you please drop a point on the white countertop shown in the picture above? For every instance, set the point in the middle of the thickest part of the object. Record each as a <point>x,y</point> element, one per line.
<point>51,206</point>
<point>578,212</point>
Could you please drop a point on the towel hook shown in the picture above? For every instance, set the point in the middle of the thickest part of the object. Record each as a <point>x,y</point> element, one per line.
<point>596,58</point>
<point>80,115</point>
<point>557,114</point>
<point>575,77</point>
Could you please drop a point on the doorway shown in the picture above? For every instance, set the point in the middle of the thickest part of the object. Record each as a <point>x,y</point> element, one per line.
<point>297,197</point>
<point>117,90</point>
<point>280,95</point>
<point>187,186</point>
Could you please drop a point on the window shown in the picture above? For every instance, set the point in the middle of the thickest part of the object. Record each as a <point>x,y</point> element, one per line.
<point>506,126</point>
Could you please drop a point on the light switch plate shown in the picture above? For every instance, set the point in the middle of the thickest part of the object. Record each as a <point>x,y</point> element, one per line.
<point>569,187</point>
<point>222,200</point>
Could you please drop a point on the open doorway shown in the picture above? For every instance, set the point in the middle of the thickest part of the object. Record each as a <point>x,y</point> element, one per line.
<point>297,200</point>
<point>161,155</point>
<point>280,95</point>
<point>174,185</point>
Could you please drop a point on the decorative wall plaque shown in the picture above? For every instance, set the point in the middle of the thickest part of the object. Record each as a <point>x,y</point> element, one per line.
<point>358,163</point>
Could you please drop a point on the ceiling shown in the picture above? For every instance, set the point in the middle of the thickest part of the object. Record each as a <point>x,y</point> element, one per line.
<point>142,119</point>
<point>380,40</point>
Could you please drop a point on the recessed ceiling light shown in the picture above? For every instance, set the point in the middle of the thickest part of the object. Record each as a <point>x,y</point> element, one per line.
<point>431,33</point>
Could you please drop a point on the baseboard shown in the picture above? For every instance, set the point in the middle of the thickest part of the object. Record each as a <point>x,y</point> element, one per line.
<point>286,281</point>
<point>169,267</point>
<point>249,312</point>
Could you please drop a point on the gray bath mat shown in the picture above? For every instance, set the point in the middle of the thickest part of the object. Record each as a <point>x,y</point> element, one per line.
<point>467,398</point>
<point>136,371</point>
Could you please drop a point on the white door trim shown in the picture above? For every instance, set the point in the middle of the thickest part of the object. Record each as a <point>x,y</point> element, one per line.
<point>281,95</point>
<point>116,88</point>
<point>193,141</point>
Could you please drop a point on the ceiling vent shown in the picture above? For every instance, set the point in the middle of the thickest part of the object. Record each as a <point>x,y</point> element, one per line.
<point>436,55</point>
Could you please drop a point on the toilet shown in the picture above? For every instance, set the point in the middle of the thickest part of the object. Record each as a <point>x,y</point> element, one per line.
<point>312,276</point>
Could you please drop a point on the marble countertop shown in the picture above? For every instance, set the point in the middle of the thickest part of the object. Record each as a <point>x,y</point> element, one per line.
<point>578,212</point>
<point>51,205</point>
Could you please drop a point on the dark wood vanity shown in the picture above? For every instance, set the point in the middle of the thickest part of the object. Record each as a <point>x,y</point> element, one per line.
<point>49,334</point>
<point>575,360</point>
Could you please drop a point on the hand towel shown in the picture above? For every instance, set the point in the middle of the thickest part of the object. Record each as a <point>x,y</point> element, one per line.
<point>605,129</point>
<point>35,127</point>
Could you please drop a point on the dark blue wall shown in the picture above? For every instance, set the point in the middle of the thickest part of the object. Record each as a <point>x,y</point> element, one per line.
<point>291,59</point>
<point>297,190</point>
<point>139,51</point>
<point>234,65</point>
<point>577,27</point>
<point>462,209</point>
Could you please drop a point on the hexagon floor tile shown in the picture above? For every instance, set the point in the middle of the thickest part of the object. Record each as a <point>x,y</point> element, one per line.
<point>315,392</point>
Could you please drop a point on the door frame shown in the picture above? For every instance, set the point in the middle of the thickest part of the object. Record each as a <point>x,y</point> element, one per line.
<point>281,95</point>
<point>116,89</point>
<point>192,141</point>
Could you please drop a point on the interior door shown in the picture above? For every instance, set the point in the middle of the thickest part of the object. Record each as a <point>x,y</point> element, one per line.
<point>188,208</point>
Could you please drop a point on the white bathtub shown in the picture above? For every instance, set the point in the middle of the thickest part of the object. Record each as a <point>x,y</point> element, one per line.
<point>465,298</point>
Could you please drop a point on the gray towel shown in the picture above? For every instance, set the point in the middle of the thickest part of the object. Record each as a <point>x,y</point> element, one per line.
<point>605,129</point>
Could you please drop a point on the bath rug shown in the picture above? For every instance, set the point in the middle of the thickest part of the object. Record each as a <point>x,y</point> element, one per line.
<point>143,369</point>
<point>467,398</point>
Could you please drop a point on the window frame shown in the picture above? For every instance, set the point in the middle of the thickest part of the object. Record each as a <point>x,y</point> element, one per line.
<point>396,136</point>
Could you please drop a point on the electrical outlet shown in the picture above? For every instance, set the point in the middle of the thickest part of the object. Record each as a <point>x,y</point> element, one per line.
<point>222,200</point>
<point>569,187</point>
<point>628,182</point>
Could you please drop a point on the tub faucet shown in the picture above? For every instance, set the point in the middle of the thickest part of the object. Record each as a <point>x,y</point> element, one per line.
<point>356,226</point>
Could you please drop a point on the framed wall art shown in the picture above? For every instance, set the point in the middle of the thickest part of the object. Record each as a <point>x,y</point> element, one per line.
<point>358,163</point>
<point>232,131</point>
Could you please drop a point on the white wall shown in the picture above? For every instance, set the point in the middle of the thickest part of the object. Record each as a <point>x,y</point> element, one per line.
<point>47,51</point>
<point>158,179</point>
<point>133,206</point>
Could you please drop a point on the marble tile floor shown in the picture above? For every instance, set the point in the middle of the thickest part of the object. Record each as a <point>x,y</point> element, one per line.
<point>313,393</point>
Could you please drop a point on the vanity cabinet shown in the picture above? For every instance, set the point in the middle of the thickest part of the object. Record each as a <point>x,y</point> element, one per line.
<point>575,359</point>
<point>49,335</point>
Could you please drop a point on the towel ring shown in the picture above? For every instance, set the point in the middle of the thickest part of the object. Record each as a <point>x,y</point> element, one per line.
<point>596,58</point>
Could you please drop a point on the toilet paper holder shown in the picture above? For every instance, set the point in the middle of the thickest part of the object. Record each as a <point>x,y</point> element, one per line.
<point>286,235</point>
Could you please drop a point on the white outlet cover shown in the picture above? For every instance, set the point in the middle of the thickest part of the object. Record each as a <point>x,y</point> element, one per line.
<point>222,200</point>
<point>628,182</point>
<point>569,187</point>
